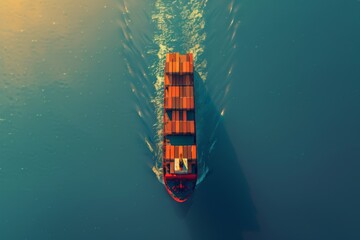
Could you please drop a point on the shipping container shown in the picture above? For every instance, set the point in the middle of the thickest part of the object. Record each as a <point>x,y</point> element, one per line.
<point>179,142</point>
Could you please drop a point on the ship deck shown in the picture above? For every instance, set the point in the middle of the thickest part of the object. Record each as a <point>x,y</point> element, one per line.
<point>179,148</point>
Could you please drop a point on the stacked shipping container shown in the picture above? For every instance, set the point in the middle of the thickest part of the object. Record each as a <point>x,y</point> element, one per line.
<point>179,120</point>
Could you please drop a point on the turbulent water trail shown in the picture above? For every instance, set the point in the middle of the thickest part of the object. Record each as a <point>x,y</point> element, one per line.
<point>176,26</point>
<point>179,26</point>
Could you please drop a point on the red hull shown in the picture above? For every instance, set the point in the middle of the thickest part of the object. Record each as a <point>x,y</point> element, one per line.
<point>179,148</point>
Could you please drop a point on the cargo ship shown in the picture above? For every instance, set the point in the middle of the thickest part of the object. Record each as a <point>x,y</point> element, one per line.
<point>179,146</point>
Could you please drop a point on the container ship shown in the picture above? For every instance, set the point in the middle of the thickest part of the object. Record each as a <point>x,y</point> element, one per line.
<point>179,146</point>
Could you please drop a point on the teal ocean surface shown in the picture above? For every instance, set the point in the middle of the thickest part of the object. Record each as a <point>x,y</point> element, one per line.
<point>278,113</point>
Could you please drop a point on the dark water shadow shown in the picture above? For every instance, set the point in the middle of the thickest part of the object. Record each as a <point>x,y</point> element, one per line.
<point>221,207</point>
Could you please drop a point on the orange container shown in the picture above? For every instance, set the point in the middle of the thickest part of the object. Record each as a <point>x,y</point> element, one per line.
<point>177,127</point>
<point>181,154</point>
<point>185,152</point>
<point>172,126</point>
<point>181,129</point>
<point>169,127</point>
<point>177,61</point>
<point>167,151</point>
<point>172,167</point>
<point>171,152</point>
<point>176,154</point>
<point>193,152</point>
<point>190,57</point>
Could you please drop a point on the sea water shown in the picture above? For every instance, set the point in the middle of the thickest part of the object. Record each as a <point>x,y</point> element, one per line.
<point>277,111</point>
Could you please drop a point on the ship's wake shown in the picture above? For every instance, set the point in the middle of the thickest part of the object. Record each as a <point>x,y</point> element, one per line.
<point>176,26</point>
<point>179,27</point>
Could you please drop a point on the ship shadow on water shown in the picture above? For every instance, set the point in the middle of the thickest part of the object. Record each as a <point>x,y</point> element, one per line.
<point>221,207</point>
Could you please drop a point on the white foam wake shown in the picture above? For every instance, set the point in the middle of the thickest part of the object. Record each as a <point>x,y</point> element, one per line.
<point>179,26</point>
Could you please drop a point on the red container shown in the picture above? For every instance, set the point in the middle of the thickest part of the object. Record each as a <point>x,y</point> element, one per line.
<point>179,94</point>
